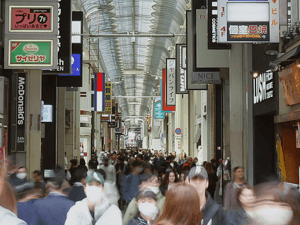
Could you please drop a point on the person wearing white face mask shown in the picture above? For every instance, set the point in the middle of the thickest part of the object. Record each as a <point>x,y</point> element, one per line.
<point>95,208</point>
<point>148,182</point>
<point>20,183</point>
<point>147,207</point>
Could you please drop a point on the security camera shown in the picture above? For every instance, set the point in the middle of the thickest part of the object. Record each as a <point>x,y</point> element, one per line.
<point>169,48</point>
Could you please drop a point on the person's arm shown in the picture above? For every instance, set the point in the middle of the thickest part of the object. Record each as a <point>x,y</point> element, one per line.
<point>131,212</point>
<point>72,217</point>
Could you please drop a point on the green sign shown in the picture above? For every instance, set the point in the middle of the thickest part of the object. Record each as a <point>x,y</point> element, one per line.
<point>31,53</point>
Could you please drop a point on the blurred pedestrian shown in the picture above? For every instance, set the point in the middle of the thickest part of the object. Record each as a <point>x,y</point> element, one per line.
<point>219,186</point>
<point>147,209</point>
<point>82,165</point>
<point>212,178</point>
<point>188,163</point>
<point>170,179</point>
<point>92,167</point>
<point>54,208</point>
<point>77,192</point>
<point>148,182</point>
<point>233,186</point>
<point>20,182</point>
<point>66,164</point>
<point>39,182</point>
<point>181,207</point>
<point>213,213</point>
<point>95,208</point>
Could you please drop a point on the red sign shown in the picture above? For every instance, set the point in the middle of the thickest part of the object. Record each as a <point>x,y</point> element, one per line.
<point>164,105</point>
<point>178,131</point>
<point>33,18</point>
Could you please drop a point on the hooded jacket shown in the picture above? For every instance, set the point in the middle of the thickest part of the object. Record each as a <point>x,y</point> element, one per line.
<point>213,213</point>
<point>8,217</point>
<point>132,210</point>
<point>104,214</point>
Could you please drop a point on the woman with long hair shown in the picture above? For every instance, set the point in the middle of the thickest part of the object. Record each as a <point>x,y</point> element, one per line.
<point>212,178</point>
<point>169,180</point>
<point>182,207</point>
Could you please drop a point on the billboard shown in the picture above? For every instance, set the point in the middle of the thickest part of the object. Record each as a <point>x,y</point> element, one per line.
<point>248,21</point>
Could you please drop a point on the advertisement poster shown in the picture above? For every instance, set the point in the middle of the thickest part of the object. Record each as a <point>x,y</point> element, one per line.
<point>22,53</point>
<point>33,18</point>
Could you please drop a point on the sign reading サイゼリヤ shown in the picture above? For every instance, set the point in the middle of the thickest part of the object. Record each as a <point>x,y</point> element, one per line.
<point>25,53</point>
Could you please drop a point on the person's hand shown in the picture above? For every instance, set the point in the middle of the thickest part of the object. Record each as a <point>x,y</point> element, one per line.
<point>119,172</point>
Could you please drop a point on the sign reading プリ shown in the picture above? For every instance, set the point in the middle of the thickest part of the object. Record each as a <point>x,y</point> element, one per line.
<point>33,18</point>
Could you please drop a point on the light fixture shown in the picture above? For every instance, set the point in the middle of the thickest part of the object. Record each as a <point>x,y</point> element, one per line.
<point>274,66</point>
<point>254,74</point>
<point>271,49</point>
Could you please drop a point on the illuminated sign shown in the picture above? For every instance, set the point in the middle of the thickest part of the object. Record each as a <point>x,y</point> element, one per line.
<point>171,87</point>
<point>263,87</point>
<point>76,66</point>
<point>181,69</point>
<point>33,18</point>
<point>248,21</point>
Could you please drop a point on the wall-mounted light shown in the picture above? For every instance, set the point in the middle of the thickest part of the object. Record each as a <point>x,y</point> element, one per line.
<point>274,66</point>
<point>271,49</point>
<point>254,74</point>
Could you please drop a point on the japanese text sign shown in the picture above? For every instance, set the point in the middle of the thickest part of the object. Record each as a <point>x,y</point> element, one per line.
<point>165,108</point>
<point>158,113</point>
<point>28,53</point>
<point>171,85</point>
<point>108,104</point>
<point>248,21</point>
<point>33,18</point>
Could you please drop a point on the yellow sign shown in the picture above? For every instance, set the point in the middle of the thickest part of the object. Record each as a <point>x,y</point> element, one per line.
<point>108,102</point>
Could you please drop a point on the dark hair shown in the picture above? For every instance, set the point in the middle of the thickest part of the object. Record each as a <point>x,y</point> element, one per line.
<point>59,177</point>
<point>82,162</point>
<point>146,177</point>
<point>79,173</point>
<point>135,163</point>
<point>22,167</point>
<point>37,172</point>
<point>74,162</point>
<point>92,164</point>
<point>140,156</point>
<point>146,194</point>
<point>146,158</point>
<point>236,168</point>
<point>169,158</point>
<point>209,168</point>
<point>237,203</point>
<point>102,172</point>
<point>113,153</point>
<point>181,207</point>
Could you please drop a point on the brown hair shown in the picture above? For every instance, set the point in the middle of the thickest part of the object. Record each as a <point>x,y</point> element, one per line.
<point>165,182</point>
<point>182,206</point>
<point>209,168</point>
<point>237,203</point>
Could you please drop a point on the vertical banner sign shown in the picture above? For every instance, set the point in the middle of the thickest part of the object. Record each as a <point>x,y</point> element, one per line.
<point>170,85</point>
<point>158,113</point>
<point>21,93</point>
<point>213,27</point>
<point>99,95</point>
<point>247,21</point>
<point>64,46</point>
<point>165,107</point>
<point>108,105</point>
<point>180,69</point>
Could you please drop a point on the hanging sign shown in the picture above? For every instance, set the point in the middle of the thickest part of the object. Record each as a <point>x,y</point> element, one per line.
<point>30,53</point>
<point>99,92</point>
<point>165,108</point>
<point>181,69</point>
<point>158,113</point>
<point>248,21</point>
<point>21,96</point>
<point>206,77</point>
<point>108,105</point>
<point>263,87</point>
<point>171,87</point>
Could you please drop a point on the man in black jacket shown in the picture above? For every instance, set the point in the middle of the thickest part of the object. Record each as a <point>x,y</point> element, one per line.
<point>213,212</point>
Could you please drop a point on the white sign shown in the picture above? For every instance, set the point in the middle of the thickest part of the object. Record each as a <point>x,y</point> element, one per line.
<point>183,57</point>
<point>263,87</point>
<point>248,21</point>
<point>47,113</point>
<point>170,84</point>
<point>84,119</point>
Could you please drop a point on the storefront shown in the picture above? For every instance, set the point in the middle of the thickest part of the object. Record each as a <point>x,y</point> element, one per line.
<point>3,117</point>
<point>288,122</point>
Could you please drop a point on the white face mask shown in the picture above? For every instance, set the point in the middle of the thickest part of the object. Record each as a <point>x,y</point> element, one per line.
<point>21,175</point>
<point>94,194</point>
<point>148,209</point>
<point>154,189</point>
<point>273,216</point>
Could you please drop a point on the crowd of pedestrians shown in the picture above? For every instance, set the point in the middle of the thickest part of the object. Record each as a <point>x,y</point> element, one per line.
<point>143,188</point>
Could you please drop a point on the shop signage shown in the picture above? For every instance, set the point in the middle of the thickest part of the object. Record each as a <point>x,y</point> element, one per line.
<point>181,69</point>
<point>64,46</point>
<point>213,27</point>
<point>158,113</point>
<point>170,85</point>
<point>112,124</point>
<point>33,18</point>
<point>206,77</point>
<point>248,21</point>
<point>108,104</point>
<point>263,87</point>
<point>30,53</point>
<point>84,119</point>
<point>47,113</point>
<point>163,94</point>
<point>99,95</point>
<point>21,96</point>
